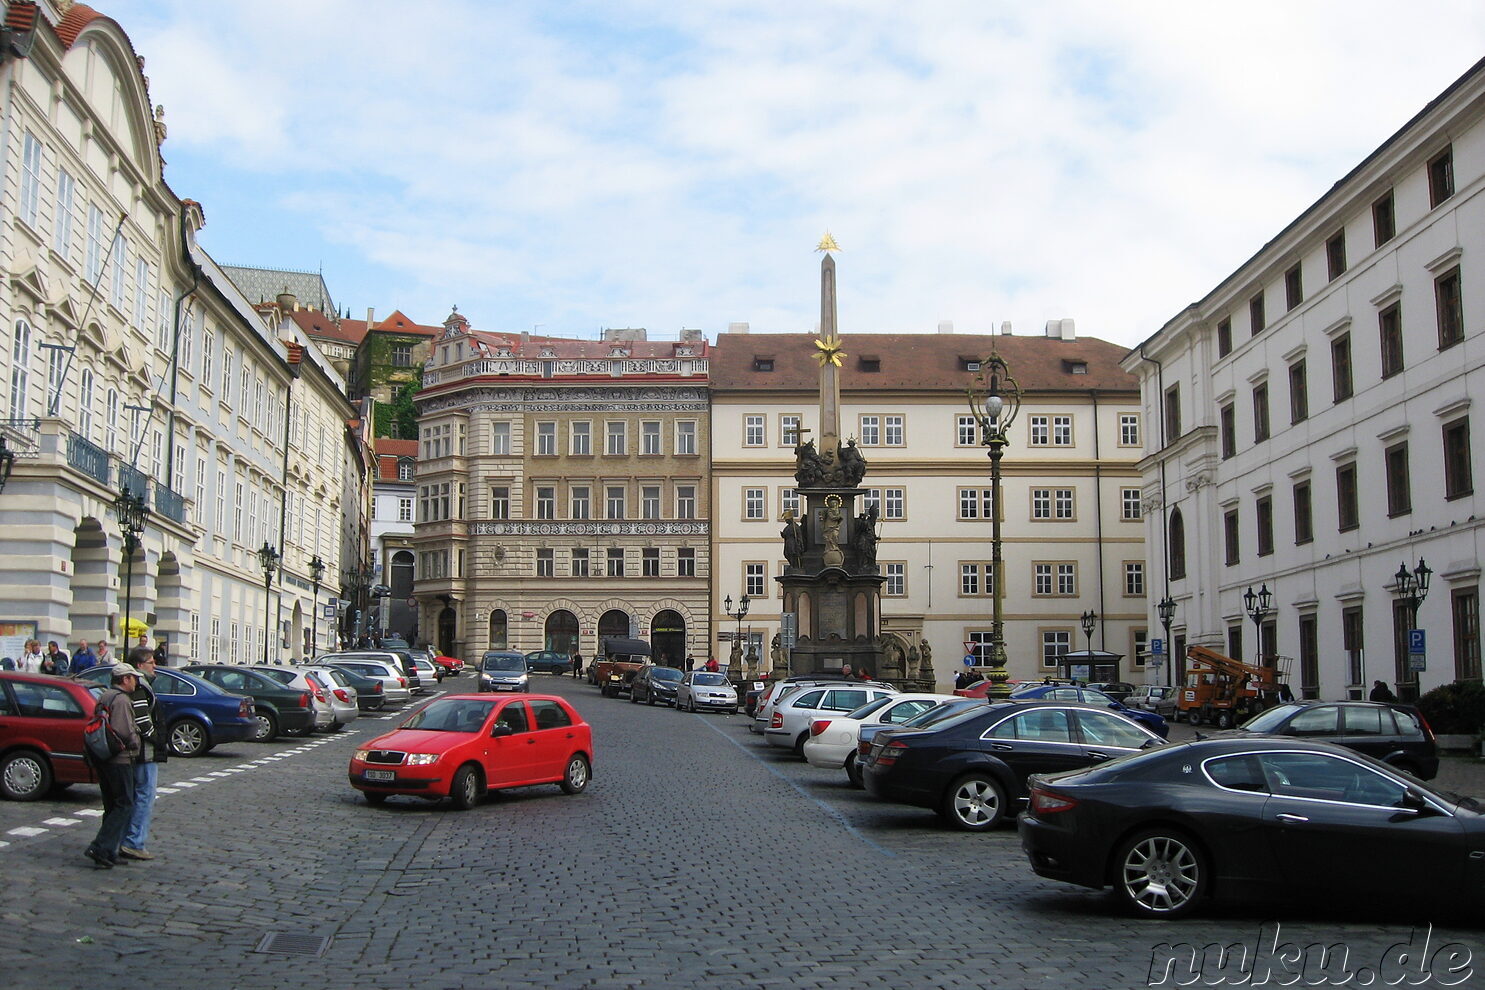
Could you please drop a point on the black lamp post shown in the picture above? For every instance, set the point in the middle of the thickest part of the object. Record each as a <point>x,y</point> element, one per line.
<point>1410,588</point>
<point>1089,620</point>
<point>994,399</point>
<point>269,558</point>
<point>1166,609</point>
<point>7,462</point>
<point>132,515</point>
<point>1259,606</point>
<point>742,611</point>
<point>316,574</point>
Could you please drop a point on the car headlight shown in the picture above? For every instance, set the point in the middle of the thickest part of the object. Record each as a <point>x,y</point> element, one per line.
<point>421,759</point>
<point>362,754</point>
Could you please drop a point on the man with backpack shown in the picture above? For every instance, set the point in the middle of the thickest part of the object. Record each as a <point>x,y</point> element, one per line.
<point>116,774</point>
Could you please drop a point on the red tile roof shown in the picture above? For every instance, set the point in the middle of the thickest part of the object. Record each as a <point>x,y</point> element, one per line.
<point>78,16</point>
<point>522,345</point>
<point>389,452</point>
<point>318,324</point>
<point>21,16</point>
<point>398,322</point>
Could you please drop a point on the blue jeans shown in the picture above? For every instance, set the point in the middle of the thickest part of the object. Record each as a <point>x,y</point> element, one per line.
<point>117,783</point>
<point>146,775</point>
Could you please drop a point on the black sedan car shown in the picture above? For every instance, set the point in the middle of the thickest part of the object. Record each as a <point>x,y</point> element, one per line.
<point>1252,816</point>
<point>655,684</point>
<point>1395,734</point>
<point>547,662</point>
<point>972,768</point>
<point>276,707</point>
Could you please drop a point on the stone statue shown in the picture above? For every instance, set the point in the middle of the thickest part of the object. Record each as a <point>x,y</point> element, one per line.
<point>734,659</point>
<point>851,464</point>
<point>925,671</point>
<point>914,659</point>
<point>864,537</point>
<point>752,662</point>
<point>776,653</point>
<point>793,539</point>
<point>809,466</point>
<point>892,660</point>
<point>830,525</point>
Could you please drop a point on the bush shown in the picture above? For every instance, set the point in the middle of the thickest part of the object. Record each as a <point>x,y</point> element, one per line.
<point>1455,708</point>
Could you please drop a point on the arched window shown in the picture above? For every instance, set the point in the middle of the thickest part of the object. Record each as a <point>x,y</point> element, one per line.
<point>498,633</point>
<point>1176,538</point>
<point>404,469</point>
<point>20,369</point>
<point>85,406</point>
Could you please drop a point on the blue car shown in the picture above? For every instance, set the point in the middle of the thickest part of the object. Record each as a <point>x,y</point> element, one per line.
<point>198,715</point>
<point>1090,696</point>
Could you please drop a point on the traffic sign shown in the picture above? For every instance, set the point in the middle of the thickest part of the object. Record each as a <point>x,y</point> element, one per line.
<point>969,659</point>
<point>969,646</point>
<point>1417,650</point>
<point>1157,646</point>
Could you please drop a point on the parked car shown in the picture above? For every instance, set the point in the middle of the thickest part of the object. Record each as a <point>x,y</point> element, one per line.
<point>655,683</point>
<point>370,666</point>
<point>1118,690</point>
<point>450,665</point>
<point>403,660</point>
<point>971,769</point>
<point>41,734</point>
<point>1091,696</point>
<point>1157,698</point>
<point>461,746</point>
<point>345,700</point>
<point>547,662</point>
<point>1244,815</point>
<point>197,714</point>
<point>832,742</point>
<point>393,643</point>
<point>707,689</point>
<point>777,690</point>
<point>504,670</point>
<point>1395,734</point>
<point>428,671</point>
<point>300,678</point>
<point>276,707</point>
<point>867,731</point>
<point>789,724</point>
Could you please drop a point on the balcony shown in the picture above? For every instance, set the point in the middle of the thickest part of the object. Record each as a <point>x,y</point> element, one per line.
<point>88,458</point>
<point>135,481</point>
<point>170,504</point>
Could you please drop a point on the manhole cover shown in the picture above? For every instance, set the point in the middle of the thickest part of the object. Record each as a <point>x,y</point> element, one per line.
<point>294,945</point>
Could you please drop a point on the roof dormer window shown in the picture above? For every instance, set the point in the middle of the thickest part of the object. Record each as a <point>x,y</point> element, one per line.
<point>870,363</point>
<point>762,363</point>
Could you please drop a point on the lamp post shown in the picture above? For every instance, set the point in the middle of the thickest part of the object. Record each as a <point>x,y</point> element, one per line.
<point>7,462</point>
<point>269,558</point>
<point>1089,620</point>
<point>994,399</point>
<point>132,515</point>
<point>1410,588</point>
<point>1166,609</point>
<point>316,574</point>
<point>739,615</point>
<point>1259,605</point>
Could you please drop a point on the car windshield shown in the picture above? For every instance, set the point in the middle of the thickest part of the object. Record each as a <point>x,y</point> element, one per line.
<point>665,674</point>
<point>502,662</point>
<point>709,679</point>
<point>936,715</point>
<point>1093,697</point>
<point>451,715</point>
<point>1269,720</point>
<point>867,709</point>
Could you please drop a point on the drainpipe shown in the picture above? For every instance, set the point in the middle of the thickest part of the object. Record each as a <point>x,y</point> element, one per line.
<point>294,358</point>
<point>1098,528</point>
<point>1170,664</point>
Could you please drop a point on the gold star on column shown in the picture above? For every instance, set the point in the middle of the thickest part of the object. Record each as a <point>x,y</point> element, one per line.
<point>829,350</point>
<point>827,243</point>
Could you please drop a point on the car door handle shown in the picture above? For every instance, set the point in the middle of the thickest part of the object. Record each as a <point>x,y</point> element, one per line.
<point>1001,747</point>
<point>1286,817</point>
<point>1096,755</point>
<point>530,742</point>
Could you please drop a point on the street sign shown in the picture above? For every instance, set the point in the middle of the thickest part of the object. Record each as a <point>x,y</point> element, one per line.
<point>328,611</point>
<point>969,646</point>
<point>788,631</point>
<point>1157,647</point>
<point>1417,650</point>
<point>969,659</point>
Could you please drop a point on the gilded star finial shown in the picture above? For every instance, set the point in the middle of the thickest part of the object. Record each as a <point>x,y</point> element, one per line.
<point>828,350</point>
<point>827,243</point>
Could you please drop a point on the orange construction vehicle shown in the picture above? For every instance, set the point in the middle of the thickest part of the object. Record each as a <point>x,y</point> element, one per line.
<point>1223,692</point>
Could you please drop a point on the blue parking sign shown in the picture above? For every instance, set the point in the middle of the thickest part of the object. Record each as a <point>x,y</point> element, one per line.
<point>1416,641</point>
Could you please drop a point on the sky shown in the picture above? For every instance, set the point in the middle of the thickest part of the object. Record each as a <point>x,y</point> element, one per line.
<point>564,167</point>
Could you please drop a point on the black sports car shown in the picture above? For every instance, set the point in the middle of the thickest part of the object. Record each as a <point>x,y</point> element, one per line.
<point>1255,816</point>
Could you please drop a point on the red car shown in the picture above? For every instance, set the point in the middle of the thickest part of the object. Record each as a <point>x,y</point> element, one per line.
<point>41,734</point>
<point>450,665</point>
<point>463,745</point>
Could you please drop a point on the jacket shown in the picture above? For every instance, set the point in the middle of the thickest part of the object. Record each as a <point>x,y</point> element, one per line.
<point>153,748</point>
<point>121,719</point>
<point>82,660</point>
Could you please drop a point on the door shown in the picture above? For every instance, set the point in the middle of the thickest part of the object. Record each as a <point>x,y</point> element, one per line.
<point>1037,741</point>
<point>509,758</point>
<point>1368,729</point>
<point>553,732</point>
<point>1107,736</point>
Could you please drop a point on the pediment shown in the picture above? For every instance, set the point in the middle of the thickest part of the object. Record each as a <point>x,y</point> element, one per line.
<point>66,313</point>
<point>32,283</point>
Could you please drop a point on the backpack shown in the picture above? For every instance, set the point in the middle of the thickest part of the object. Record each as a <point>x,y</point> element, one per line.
<point>99,737</point>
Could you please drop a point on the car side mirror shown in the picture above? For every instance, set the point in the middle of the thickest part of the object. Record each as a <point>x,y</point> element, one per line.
<point>1115,705</point>
<point>501,729</point>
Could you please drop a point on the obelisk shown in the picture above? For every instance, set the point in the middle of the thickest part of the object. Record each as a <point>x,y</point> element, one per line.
<point>829,354</point>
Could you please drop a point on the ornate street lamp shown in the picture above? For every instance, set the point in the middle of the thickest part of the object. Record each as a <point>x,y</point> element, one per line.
<point>1410,588</point>
<point>739,615</point>
<point>1259,606</point>
<point>132,515</point>
<point>1166,609</point>
<point>269,558</point>
<point>7,462</point>
<point>1090,621</point>
<point>316,574</point>
<point>994,399</point>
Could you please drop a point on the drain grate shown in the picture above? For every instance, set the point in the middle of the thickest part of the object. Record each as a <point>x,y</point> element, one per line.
<point>294,945</point>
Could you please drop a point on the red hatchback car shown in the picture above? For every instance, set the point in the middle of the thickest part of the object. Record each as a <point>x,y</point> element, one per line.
<point>462,745</point>
<point>41,734</point>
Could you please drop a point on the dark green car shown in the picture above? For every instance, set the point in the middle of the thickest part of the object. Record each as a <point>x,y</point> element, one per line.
<point>547,662</point>
<point>276,707</point>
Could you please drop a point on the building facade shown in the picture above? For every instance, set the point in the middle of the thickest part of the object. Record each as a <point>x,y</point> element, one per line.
<point>394,507</point>
<point>1311,425</point>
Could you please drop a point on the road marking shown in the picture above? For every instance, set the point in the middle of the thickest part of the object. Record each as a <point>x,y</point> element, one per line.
<point>26,831</point>
<point>216,773</point>
<point>186,783</point>
<point>89,812</point>
<point>201,780</point>
<point>62,821</point>
<point>164,790</point>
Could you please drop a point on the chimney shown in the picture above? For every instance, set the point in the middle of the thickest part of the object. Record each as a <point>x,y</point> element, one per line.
<point>1005,328</point>
<point>1069,330</point>
<point>945,326</point>
<point>737,328</point>
<point>370,317</point>
<point>286,301</point>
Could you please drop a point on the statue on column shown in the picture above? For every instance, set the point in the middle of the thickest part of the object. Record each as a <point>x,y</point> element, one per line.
<point>752,662</point>
<point>734,659</point>
<point>925,671</point>
<point>864,537</point>
<point>830,530</point>
<point>793,539</point>
<point>891,660</point>
<point>776,655</point>
<point>851,464</point>
<point>914,660</point>
<point>809,466</point>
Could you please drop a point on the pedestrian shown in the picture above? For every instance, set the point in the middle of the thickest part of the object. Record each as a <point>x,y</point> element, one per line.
<point>690,662</point>
<point>711,664</point>
<point>30,658</point>
<point>1381,692</point>
<point>143,644</point>
<point>7,663</point>
<point>162,652</point>
<point>105,654</point>
<point>83,658</point>
<point>55,660</point>
<point>865,674</point>
<point>577,665</point>
<point>153,751</point>
<point>116,774</point>
<point>845,671</point>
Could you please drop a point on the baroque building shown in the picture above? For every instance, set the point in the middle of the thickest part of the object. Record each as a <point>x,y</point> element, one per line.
<point>562,492</point>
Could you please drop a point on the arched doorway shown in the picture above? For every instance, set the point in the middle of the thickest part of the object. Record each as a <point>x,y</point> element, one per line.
<point>448,621</point>
<point>614,622</point>
<point>499,630</point>
<point>93,596</point>
<point>668,638</point>
<point>562,631</point>
<point>403,617</point>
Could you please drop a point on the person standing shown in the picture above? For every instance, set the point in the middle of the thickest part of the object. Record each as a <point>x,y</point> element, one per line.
<point>116,774</point>
<point>153,751</point>
<point>83,658</point>
<point>55,660</point>
<point>105,655</point>
<point>162,652</point>
<point>1381,692</point>
<point>577,665</point>
<point>30,659</point>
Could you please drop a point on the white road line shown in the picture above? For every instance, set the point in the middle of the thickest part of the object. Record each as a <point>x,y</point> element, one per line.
<point>62,821</point>
<point>217,773</point>
<point>27,831</point>
<point>165,790</point>
<point>186,783</point>
<point>201,780</point>
<point>4,844</point>
<point>89,812</point>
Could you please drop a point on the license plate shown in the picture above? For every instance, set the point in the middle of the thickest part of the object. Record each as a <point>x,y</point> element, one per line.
<point>380,775</point>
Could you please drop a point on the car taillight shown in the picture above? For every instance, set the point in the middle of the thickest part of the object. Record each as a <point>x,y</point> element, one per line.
<point>304,700</point>
<point>818,726</point>
<point>1045,802</point>
<point>244,708</point>
<point>376,688</point>
<point>1427,729</point>
<point>402,681</point>
<point>863,748</point>
<point>777,722</point>
<point>340,693</point>
<point>320,695</point>
<point>890,753</point>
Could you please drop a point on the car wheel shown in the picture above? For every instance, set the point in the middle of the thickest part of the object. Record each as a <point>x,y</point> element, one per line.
<point>650,700</point>
<point>189,738</point>
<point>467,788</point>
<point>632,699</point>
<point>799,743</point>
<point>575,780</point>
<point>732,710</point>
<point>25,775</point>
<point>974,803</point>
<point>1224,720</point>
<point>853,770</point>
<point>1161,874</point>
<point>375,798</point>
<point>267,727</point>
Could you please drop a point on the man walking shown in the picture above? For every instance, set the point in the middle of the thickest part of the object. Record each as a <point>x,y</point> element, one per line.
<point>116,775</point>
<point>577,665</point>
<point>153,751</point>
<point>83,658</point>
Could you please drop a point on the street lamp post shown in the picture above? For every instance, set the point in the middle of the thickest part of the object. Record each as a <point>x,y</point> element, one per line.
<point>1166,609</point>
<point>1410,588</point>
<point>742,611</point>
<point>1259,606</point>
<point>269,558</point>
<point>994,399</point>
<point>316,574</point>
<point>1089,620</point>
<point>132,515</point>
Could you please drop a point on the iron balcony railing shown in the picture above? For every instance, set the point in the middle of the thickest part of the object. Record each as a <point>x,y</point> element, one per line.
<point>133,480</point>
<point>88,458</point>
<point>170,504</point>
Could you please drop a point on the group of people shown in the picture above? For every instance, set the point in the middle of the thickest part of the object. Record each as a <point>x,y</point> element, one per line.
<point>965,678</point>
<point>129,778</point>
<point>55,660</point>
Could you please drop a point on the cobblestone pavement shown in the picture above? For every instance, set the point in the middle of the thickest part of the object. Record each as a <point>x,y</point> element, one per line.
<point>698,857</point>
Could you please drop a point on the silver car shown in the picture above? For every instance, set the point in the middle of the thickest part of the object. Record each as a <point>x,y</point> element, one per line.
<point>504,670</point>
<point>297,677</point>
<point>342,695</point>
<point>394,684</point>
<point>789,722</point>
<point>705,689</point>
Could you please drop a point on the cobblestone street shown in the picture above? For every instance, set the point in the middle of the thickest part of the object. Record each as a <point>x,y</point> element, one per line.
<point>621,886</point>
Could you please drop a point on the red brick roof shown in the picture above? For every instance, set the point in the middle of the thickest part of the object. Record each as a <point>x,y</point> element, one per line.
<point>389,452</point>
<point>78,16</point>
<point>318,324</point>
<point>21,16</point>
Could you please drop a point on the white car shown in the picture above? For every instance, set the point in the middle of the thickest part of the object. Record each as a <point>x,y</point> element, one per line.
<point>705,689</point>
<point>789,723</point>
<point>341,694</point>
<point>296,677</point>
<point>833,738</point>
<point>394,683</point>
<point>778,690</point>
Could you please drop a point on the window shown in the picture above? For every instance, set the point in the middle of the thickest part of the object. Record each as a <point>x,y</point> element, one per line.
<point>616,499</point>
<point>546,502</point>
<point>685,501</point>
<point>1335,255</point>
<point>615,558</point>
<point>871,431</point>
<point>402,355</point>
<point>30,178</point>
<point>1389,324</point>
<point>754,434</point>
<point>762,364</point>
<point>119,265</point>
<point>546,562</point>
<point>1458,474</point>
<point>20,374</point>
<point>1399,489</point>
<point>1172,413</point>
<point>1056,578</point>
<point>546,439</point>
<point>1230,535</point>
<point>966,431</point>
<point>1130,507</point>
<point>1256,319</point>
<point>582,438</point>
<point>896,574</point>
<point>1340,367</point>
<point>500,439</point>
<point>580,501</point>
<point>1347,517</point>
<point>1260,412</point>
<point>649,561</point>
<point>789,501</point>
<point>1062,435</point>
<point>1299,392</point>
<point>685,562</point>
<point>895,431</point>
<point>1265,520</point>
<point>1384,220</point>
<point>1294,288</point>
<point>789,425</point>
<point>685,437</point>
<point>94,260</point>
<point>1176,533</point>
<point>208,358</point>
<point>1129,429</point>
<point>66,192</point>
<point>976,578</point>
<point>1441,177</point>
<point>1040,432</point>
<point>649,501</point>
<point>1304,524</point>
<point>616,439</point>
<point>1464,605</point>
<point>1228,418</point>
<point>1351,642</point>
<point>404,508</point>
<point>894,503</point>
<point>1134,578</point>
<point>500,502</point>
<point>753,576</point>
<point>975,503</point>
<point>1052,503</point>
<point>84,404</point>
<point>1224,336</point>
<point>753,503</point>
<point>649,438</point>
<point>1055,643</point>
<point>1450,308</point>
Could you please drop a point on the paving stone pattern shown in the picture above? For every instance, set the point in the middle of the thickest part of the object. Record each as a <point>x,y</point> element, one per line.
<point>698,857</point>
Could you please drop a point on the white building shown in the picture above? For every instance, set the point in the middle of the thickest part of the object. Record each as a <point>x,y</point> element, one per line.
<point>1312,423</point>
